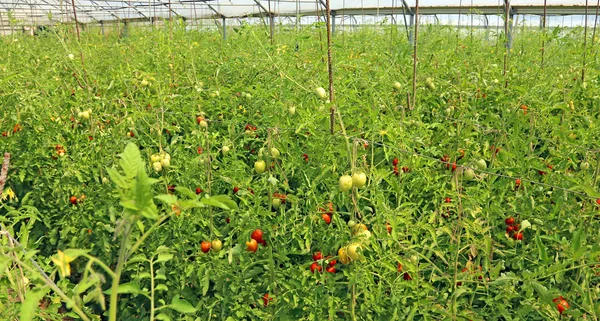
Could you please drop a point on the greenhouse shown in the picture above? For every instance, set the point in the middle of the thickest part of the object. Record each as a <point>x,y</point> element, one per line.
<point>299,160</point>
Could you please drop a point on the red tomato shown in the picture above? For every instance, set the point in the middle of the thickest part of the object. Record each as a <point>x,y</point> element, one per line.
<point>205,246</point>
<point>395,162</point>
<point>562,304</point>
<point>389,227</point>
<point>235,190</point>
<point>399,267</point>
<point>257,235</point>
<point>453,167</point>
<point>227,220</point>
<point>73,200</point>
<point>518,236</point>
<point>448,200</point>
<point>406,276</point>
<point>198,190</point>
<point>510,229</point>
<point>331,269</point>
<point>252,246</point>
<point>598,201</point>
<point>317,256</point>
<point>314,267</point>
<point>332,262</point>
<point>266,299</point>
<point>509,221</point>
<point>326,217</point>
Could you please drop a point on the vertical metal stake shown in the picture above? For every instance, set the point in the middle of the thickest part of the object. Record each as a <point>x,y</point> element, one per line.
<point>332,23</point>
<point>224,28</point>
<point>411,25</point>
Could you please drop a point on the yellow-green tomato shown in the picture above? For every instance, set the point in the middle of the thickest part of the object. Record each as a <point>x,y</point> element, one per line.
<point>359,180</point>
<point>321,93</point>
<point>345,183</point>
<point>155,158</point>
<point>225,150</point>
<point>157,166</point>
<point>166,162</point>
<point>275,152</point>
<point>353,251</point>
<point>397,85</point>
<point>468,174</point>
<point>276,202</point>
<point>584,166</point>
<point>260,166</point>
<point>216,245</point>
<point>481,164</point>
<point>429,83</point>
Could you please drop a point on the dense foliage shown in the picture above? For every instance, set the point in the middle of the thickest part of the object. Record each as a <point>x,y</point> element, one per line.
<point>480,202</point>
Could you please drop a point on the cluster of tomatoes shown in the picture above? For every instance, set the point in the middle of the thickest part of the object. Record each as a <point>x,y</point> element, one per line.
<point>74,200</point>
<point>17,128</point>
<point>327,214</point>
<point>405,275</point>
<point>446,160</point>
<point>396,170</point>
<point>316,266</point>
<point>561,304</point>
<point>215,245</point>
<point>60,151</point>
<point>255,238</point>
<point>513,228</point>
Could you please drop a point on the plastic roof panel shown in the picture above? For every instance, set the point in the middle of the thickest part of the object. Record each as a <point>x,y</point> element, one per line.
<point>36,11</point>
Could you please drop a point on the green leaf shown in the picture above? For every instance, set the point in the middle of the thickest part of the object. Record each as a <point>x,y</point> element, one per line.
<point>141,188</point>
<point>163,316</point>
<point>75,253</point>
<point>167,198</point>
<point>30,305</point>
<point>117,178</point>
<point>541,248</point>
<point>186,192</point>
<point>163,257</point>
<point>131,288</point>
<point>181,305</point>
<point>576,244</point>
<point>221,201</point>
<point>131,161</point>
<point>161,287</point>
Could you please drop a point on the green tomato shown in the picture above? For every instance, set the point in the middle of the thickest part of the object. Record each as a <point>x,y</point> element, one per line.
<point>345,183</point>
<point>359,180</point>
<point>275,152</point>
<point>260,166</point>
<point>276,202</point>
<point>321,93</point>
<point>429,83</point>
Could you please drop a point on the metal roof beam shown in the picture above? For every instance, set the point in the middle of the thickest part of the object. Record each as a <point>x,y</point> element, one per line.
<point>214,10</point>
<point>270,14</point>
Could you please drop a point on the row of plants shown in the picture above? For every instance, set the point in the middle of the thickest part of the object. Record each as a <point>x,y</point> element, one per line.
<point>172,175</point>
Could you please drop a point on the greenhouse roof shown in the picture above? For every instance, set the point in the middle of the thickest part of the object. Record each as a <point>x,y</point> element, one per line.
<point>47,11</point>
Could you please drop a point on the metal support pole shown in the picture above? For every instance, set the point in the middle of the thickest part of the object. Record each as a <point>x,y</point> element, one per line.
<point>510,30</point>
<point>272,26</point>
<point>411,27</point>
<point>332,23</point>
<point>224,28</point>
<point>102,28</point>
<point>487,28</point>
